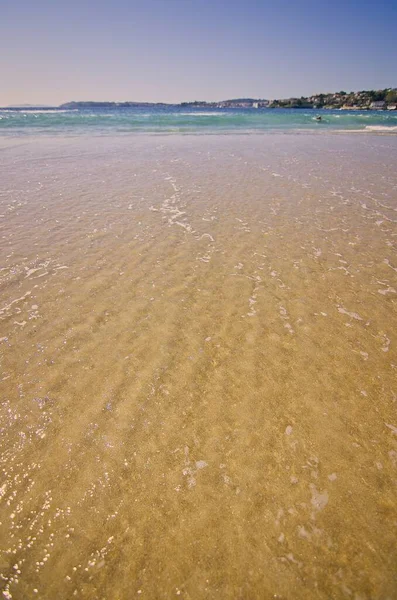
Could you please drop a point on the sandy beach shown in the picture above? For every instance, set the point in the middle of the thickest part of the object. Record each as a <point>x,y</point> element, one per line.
<point>198,367</point>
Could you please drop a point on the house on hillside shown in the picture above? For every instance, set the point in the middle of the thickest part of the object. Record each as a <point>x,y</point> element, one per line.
<point>378,105</point>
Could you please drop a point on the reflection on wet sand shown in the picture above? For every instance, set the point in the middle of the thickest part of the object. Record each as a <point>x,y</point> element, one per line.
<point>198,352</point>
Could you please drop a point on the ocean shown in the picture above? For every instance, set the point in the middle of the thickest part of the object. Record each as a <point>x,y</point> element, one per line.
<point>177,119</point>
<point>198,351</point>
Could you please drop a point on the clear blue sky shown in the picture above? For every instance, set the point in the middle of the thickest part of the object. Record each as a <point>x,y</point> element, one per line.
<point>53,51</point>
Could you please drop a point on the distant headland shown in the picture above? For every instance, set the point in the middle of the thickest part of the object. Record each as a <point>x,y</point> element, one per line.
<point>385,99</point>
<point>367,99</point>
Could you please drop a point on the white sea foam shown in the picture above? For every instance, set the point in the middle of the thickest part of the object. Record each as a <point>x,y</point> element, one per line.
<point>353,315</point>
<point>39,112</point>
<point>381,128</point>
<point>200,114</point>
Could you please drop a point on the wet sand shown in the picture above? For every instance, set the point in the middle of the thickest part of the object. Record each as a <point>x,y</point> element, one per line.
<point>198,367</point>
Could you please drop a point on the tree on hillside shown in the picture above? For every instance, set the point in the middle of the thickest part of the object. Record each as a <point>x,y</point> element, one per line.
<point>391,96</point>
<point>379,95</point>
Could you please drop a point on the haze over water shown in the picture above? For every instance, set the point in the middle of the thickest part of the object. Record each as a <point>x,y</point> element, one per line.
<point>198,352</point>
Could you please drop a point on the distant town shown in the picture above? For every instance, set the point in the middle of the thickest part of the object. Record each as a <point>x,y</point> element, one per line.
<point>365,100</point>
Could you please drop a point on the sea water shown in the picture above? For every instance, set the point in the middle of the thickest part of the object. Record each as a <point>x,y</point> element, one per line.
<point>177,119</point>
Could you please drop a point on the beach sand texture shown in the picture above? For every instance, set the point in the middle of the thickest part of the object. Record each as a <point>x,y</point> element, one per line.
<point>198,367</point>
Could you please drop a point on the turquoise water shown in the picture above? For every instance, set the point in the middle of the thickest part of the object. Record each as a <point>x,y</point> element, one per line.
<point>177,119</point>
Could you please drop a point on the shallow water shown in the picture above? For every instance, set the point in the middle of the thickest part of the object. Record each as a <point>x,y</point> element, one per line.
<point>198,367</point>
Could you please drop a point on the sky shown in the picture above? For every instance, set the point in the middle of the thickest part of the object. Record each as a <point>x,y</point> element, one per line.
<point>184,50</point>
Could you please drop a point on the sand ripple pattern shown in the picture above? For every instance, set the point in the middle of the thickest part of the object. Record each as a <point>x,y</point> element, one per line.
<point>198,367</point>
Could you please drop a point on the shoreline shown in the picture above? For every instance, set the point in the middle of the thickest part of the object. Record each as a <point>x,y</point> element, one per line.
<point>71,135</point>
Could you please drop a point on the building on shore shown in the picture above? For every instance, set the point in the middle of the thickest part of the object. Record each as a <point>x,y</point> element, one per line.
<point>378,105</point>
